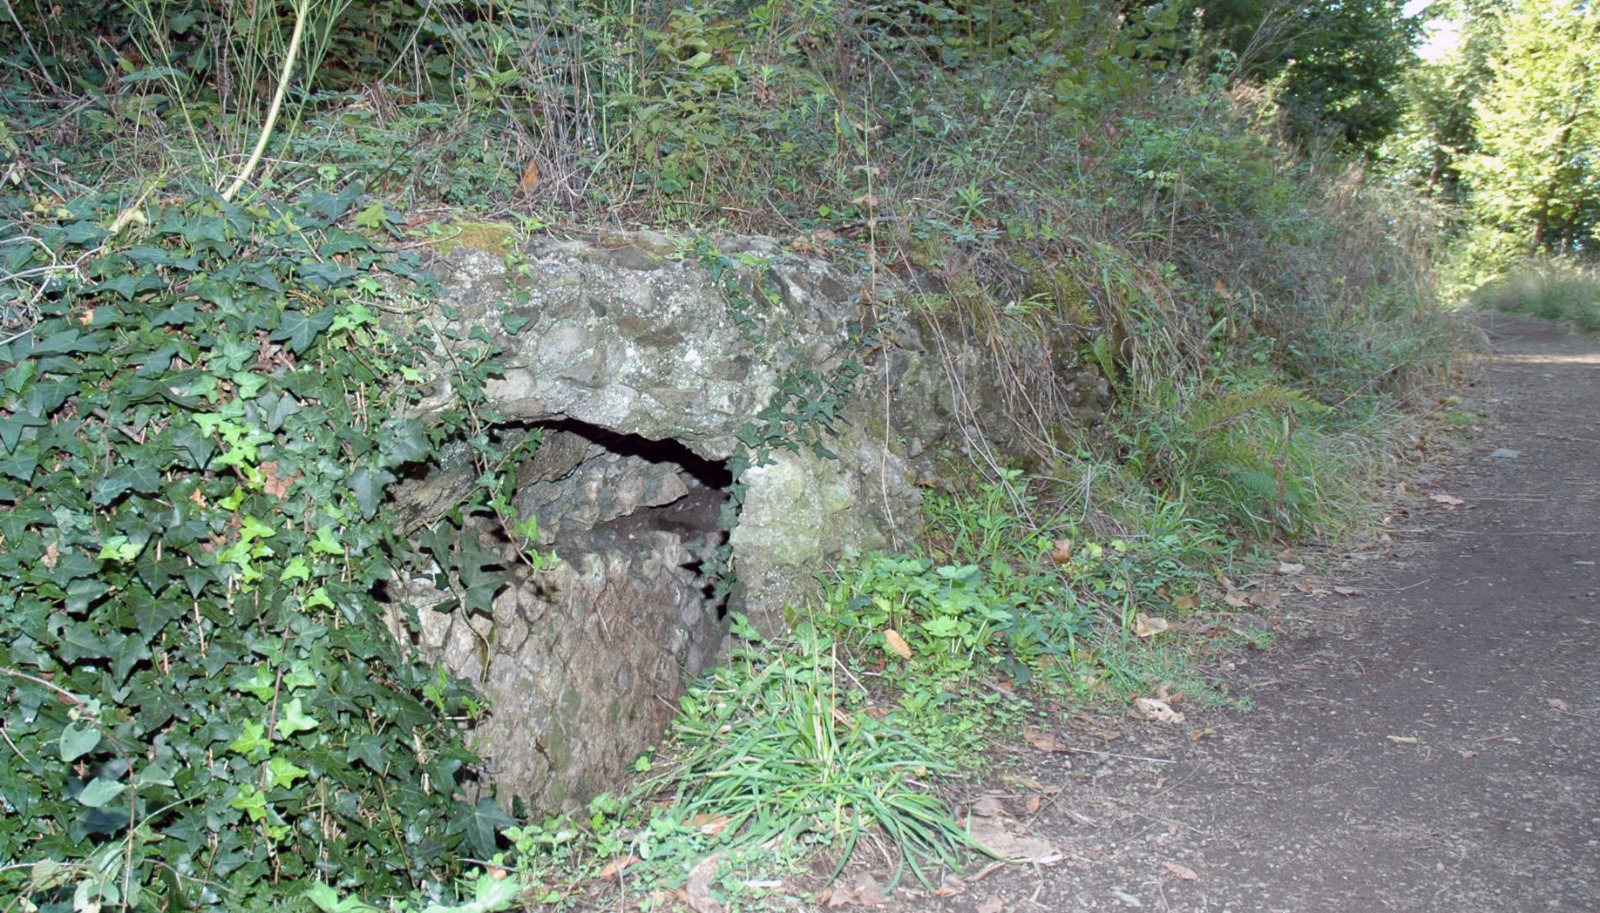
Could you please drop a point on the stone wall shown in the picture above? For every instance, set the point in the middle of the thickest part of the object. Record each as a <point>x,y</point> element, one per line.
<point>641,373</point>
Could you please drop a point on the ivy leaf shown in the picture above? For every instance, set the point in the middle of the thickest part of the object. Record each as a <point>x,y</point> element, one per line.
<point>323,276</point>
<point>298,569</point>
<point>329,901</point>
<point>513,322</point>
<point>140,476</point>
<point>373,218</point>
<point>19,466</point>
<point>294,720</point>
<point>403,441</point>
<point>78,739</point>
<point>325,543</point>
<point>99,792</point>
<point>332,208</point>
<point>368,750</point>
<point>261,684</point>
<point>126,652</point>
<point>368,485</point>
<point>277,409</point>
<point>478,823</point>
<point>190,441</point>
<point>250,801</point>
<point>299,329</point>
<point>129,285</point>
<point>118,548</point>
<point>282,772</point>
<point>67,342</point>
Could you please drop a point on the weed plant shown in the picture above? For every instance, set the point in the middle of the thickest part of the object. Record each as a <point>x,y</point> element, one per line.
<point>1074,202</point>
<point>776,752</point>
<point>1550,289</point>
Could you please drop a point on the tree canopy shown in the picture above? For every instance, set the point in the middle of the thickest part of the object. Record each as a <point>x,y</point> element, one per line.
<point>1337,63</point>
<point>1538,126</point>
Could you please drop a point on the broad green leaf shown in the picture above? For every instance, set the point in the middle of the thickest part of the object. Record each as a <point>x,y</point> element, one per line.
<point>368,750</point>
<point>478,824</point>
<point>284,773</point>
<point>78,739</point>
<point>373,217</point>
<point>252,741</point>
<point>326,542</point>
<point>298,568</point>
<point>497,893</point>
<point>368,485</point>
<point>99,792</point>
<point>19,465</point>
<point>251,801</point>
<point>514,323</point>
<point>298,330</point>
<point>293,719</point>
<point>118,548</point>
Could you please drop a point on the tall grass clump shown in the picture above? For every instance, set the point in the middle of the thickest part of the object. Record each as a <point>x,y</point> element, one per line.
<point>1548,288</point>
<point>777,752</point>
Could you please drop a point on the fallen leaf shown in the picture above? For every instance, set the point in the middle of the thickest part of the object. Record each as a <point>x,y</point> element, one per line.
<point>1061,551</point>
<point>275,485</point>
<point>1145,626</point>
<point>1290,569</point>
<point>1043,739</point>
<point>950,887</point>
<point>1234,599</point>
<point>1146,708</point>
<point>1196,735</point>
<point>988,807</point>
<point>1182,871</point>
<point>615,867</point>
<point>1403,739</point>
<point>710,825</point>
<point>994,835</point>
<point>897,643</point>
<point>1347,591</point>
<point>1447,500</point>
<point>530,177</point>
<point>699,885</point>
<point>992,905</point>
<point>867,891</point>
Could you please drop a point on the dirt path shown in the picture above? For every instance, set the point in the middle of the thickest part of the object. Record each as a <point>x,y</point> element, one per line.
<point>1431,742</point>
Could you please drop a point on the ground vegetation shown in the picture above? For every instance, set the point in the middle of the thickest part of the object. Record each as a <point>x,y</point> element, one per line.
<point>209,345</point>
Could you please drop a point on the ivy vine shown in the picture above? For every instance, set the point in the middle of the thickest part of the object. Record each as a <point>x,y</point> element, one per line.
<point>203,706</point>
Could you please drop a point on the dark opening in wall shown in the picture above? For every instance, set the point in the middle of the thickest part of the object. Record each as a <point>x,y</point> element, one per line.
<point>598,491</point>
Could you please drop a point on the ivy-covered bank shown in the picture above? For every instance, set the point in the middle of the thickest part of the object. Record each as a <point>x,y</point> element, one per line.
<point>202,705</point>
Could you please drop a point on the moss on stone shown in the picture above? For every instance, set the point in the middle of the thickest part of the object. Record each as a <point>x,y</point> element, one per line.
<point>494,237</point>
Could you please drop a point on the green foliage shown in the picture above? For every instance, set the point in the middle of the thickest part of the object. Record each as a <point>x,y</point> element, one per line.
<point>1548,288</point>
<point>1538,127</point>
<point>772,754</point>
<point>1263,458</point>
<point>1336,65</point>
<point>196,431</point>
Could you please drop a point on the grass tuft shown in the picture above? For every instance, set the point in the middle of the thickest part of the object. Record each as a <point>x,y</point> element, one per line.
<point>1548,288</point>
<point>773,755</point>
